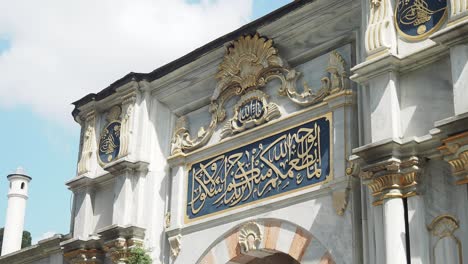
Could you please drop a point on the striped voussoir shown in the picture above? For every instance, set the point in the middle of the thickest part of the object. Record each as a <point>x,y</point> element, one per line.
<point>278,237</point>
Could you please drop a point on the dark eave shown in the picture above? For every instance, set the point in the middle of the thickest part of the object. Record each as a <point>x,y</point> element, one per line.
<point>250,28</point>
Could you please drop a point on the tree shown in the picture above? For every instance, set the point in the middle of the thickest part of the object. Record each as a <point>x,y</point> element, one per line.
<point>25,242</point>
<point>139,256</point>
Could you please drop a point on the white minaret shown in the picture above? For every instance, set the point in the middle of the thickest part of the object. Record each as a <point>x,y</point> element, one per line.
<point>14,224</point>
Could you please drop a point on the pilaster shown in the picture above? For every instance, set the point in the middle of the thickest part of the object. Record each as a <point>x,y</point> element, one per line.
<point>455,37</point>
<point>84,214</point>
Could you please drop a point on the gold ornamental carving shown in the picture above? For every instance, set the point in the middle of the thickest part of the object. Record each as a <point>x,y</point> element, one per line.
<point>252,109</point>
<point>394,179</point>
<point>250,237</point>
<point>455,152</point>
<point>336,80</point>
<point>248,65</point>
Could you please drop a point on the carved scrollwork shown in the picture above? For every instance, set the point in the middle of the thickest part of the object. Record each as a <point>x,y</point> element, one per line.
<point>335,81</point>
<point>250,237</point>
<point>127,106</point>
<point>249,63</point>
<point>88,147</point>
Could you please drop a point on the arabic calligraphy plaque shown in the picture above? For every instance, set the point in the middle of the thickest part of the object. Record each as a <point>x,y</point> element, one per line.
<point>291,160</point>
<point>109,144</point>
<point>250,110</point>
<point>417,19</point>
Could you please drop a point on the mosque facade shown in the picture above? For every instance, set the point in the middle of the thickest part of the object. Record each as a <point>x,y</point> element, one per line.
<point>328,131</point>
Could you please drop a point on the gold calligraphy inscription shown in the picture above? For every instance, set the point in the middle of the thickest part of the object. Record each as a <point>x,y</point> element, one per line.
<point>292,159</point>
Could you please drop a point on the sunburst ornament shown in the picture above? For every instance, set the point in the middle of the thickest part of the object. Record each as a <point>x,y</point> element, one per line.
<point>244,63</point>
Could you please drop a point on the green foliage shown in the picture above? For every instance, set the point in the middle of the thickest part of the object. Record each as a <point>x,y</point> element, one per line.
<point>139,256</point>
<point>26,241</point>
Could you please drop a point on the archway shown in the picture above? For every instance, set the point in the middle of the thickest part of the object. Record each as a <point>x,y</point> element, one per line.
<point>267,241</point>
<point>278,258</point>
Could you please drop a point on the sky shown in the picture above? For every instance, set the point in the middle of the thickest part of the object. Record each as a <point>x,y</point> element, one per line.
<point>54,52</point>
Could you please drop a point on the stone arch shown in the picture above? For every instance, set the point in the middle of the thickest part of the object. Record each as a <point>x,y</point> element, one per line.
<point>257,239</point>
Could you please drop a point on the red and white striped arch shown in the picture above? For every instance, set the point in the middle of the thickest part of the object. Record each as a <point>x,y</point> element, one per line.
<point>278,237</point>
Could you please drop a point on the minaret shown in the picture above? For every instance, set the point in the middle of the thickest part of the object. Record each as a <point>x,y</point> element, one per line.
<point>14,224</point>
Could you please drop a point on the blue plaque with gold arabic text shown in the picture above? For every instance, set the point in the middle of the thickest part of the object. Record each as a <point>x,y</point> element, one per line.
<point>417,19</point>
<point>109,144</point>
<point>288,161</point>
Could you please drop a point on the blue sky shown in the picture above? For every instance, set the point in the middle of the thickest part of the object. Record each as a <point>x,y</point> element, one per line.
<point>45,73</point>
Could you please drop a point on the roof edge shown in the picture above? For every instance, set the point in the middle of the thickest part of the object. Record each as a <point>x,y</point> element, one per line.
<point>249,28</point>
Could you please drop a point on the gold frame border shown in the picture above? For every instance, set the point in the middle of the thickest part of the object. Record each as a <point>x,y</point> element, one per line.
<point>330,176</point>
<point>425,35</point>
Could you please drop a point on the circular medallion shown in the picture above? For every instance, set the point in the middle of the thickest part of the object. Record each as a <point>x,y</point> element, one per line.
<point>417,19</point>
<point>109,144</point>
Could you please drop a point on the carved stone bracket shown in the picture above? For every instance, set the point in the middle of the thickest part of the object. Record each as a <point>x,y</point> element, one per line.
<point>128,104</point>
<point>392,179</point>
<point>380,32</point>
<point>455,152</point>
<point>250,237</point>
<point>340,201</point>
<point>175,245</point>
<point>88,143</point>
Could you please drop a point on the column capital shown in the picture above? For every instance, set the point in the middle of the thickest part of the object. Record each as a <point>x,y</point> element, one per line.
<point>393,178</point>
<point>119,241</point>
<point>454,150</point>
<point>77,251</point>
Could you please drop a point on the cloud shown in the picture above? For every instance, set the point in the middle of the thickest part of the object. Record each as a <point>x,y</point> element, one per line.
<point>46,235</point>
<point>62,50</point>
